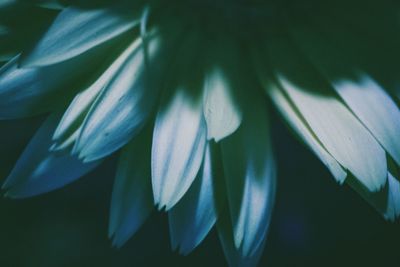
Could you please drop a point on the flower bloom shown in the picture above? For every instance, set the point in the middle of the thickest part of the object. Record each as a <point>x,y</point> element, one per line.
<point>182,91</point>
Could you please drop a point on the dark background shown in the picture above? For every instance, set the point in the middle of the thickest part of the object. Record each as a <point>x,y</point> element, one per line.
<point>316,222</point>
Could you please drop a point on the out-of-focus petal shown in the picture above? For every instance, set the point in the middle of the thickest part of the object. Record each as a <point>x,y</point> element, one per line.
<point>195,214</point>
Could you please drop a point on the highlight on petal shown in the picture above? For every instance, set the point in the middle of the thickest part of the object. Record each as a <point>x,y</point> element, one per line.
<point>39,171</point>
<point>178,146</point>
<point>295,120</point>
<point>124,104</point>
<point>27,92</point>
<point>233,255</point>
<point>222,114</point>
<point>250,178</point>
<point>363,95</point>
<point>299,125</point>
<point>335,126</point>
<point>195,214</point>
<point>132,198</point>
<point>386,201</point>
<point>343,135</point>
<point>84,30</point>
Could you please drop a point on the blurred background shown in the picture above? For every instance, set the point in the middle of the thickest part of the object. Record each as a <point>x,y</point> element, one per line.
<point>316,222</point>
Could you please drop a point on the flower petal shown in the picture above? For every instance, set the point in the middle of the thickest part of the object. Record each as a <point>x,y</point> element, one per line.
<point>233,255</point>
<point>295,119</point>
<point>26,92</point>
<point>132,198</point>
<point>125,103</point>
<point>386,201</point>
<point>195,214</point>
<point>222,114</point>
<point>374,107</point>
<point>364,96</point>
<point>83,30</point>
<point>38,171</point>
<point>250,178</point>
<point>178,145</point>
<point>338,130</point>
<point>77,111</point>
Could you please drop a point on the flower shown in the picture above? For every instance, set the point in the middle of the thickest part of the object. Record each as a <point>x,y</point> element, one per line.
<point>182,92</point>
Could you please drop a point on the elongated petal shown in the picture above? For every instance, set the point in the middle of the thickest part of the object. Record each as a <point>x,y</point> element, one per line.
<point>124,105</point>
<point>306,134</point>
<point>386,201</point>
<point>233,255</point>
<point>194,216</point>
<point>223,115</point>
<point>374,107</point>
<point>178,145</point>
<point>342,135</point>
<point>250,179</point>
<point>26,92</point>
<point>76,31</point>
<point>39,171</point>
<point>364,96</point>
<point>78,109</point>
<point>338,130</point>
<point>132,199</point>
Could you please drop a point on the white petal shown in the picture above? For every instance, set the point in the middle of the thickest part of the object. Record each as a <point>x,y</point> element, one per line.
<point>233,255</point>
<point>26,92</point>
<point>365,97</point>
<point>78,109</point>
<point>339,131</point>
<point>132,198</point>
<point>195,214</point>
<point>375,108</point>
<point>393,198</point>
<point>386,201</point>
<point>223,115</point>
<point>344,137</point>
<point>38,171</point>
<point>250,178</point>
<point>124,105</point>
<point>76,31</point>
<point>178,145</point>
<point>298,124</point>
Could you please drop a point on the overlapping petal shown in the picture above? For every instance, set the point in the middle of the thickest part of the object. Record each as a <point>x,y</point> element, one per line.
<point>39,171</point>
<point>194,216</point>
<point>132,198</point>
<point>84,30</point>
<point>250,178</point>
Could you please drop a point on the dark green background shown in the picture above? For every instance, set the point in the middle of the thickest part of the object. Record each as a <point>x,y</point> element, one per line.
<point>315,223</point>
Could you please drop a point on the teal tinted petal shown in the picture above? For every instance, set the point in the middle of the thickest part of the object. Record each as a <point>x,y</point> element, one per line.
<point>393,198</point>
<point>364,96</point>
<point>222,114</point>
<point>250,178</point>
<point>335,126</point>
<point>300,126</point>
<point>178,145</point>
<point>375,108</point>
<point>195,214</point>
<point>386,201</point>
<point>132,198</point>
<point>233,255</point>
<point>78,109</point>
<point>124,104</point>
<point>342,135</point>
<point>38,171</point>
<point>27,92</point>
<point>76,31</point>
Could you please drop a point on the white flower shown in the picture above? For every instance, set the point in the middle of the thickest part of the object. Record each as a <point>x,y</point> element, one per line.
<point>182,91</point>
